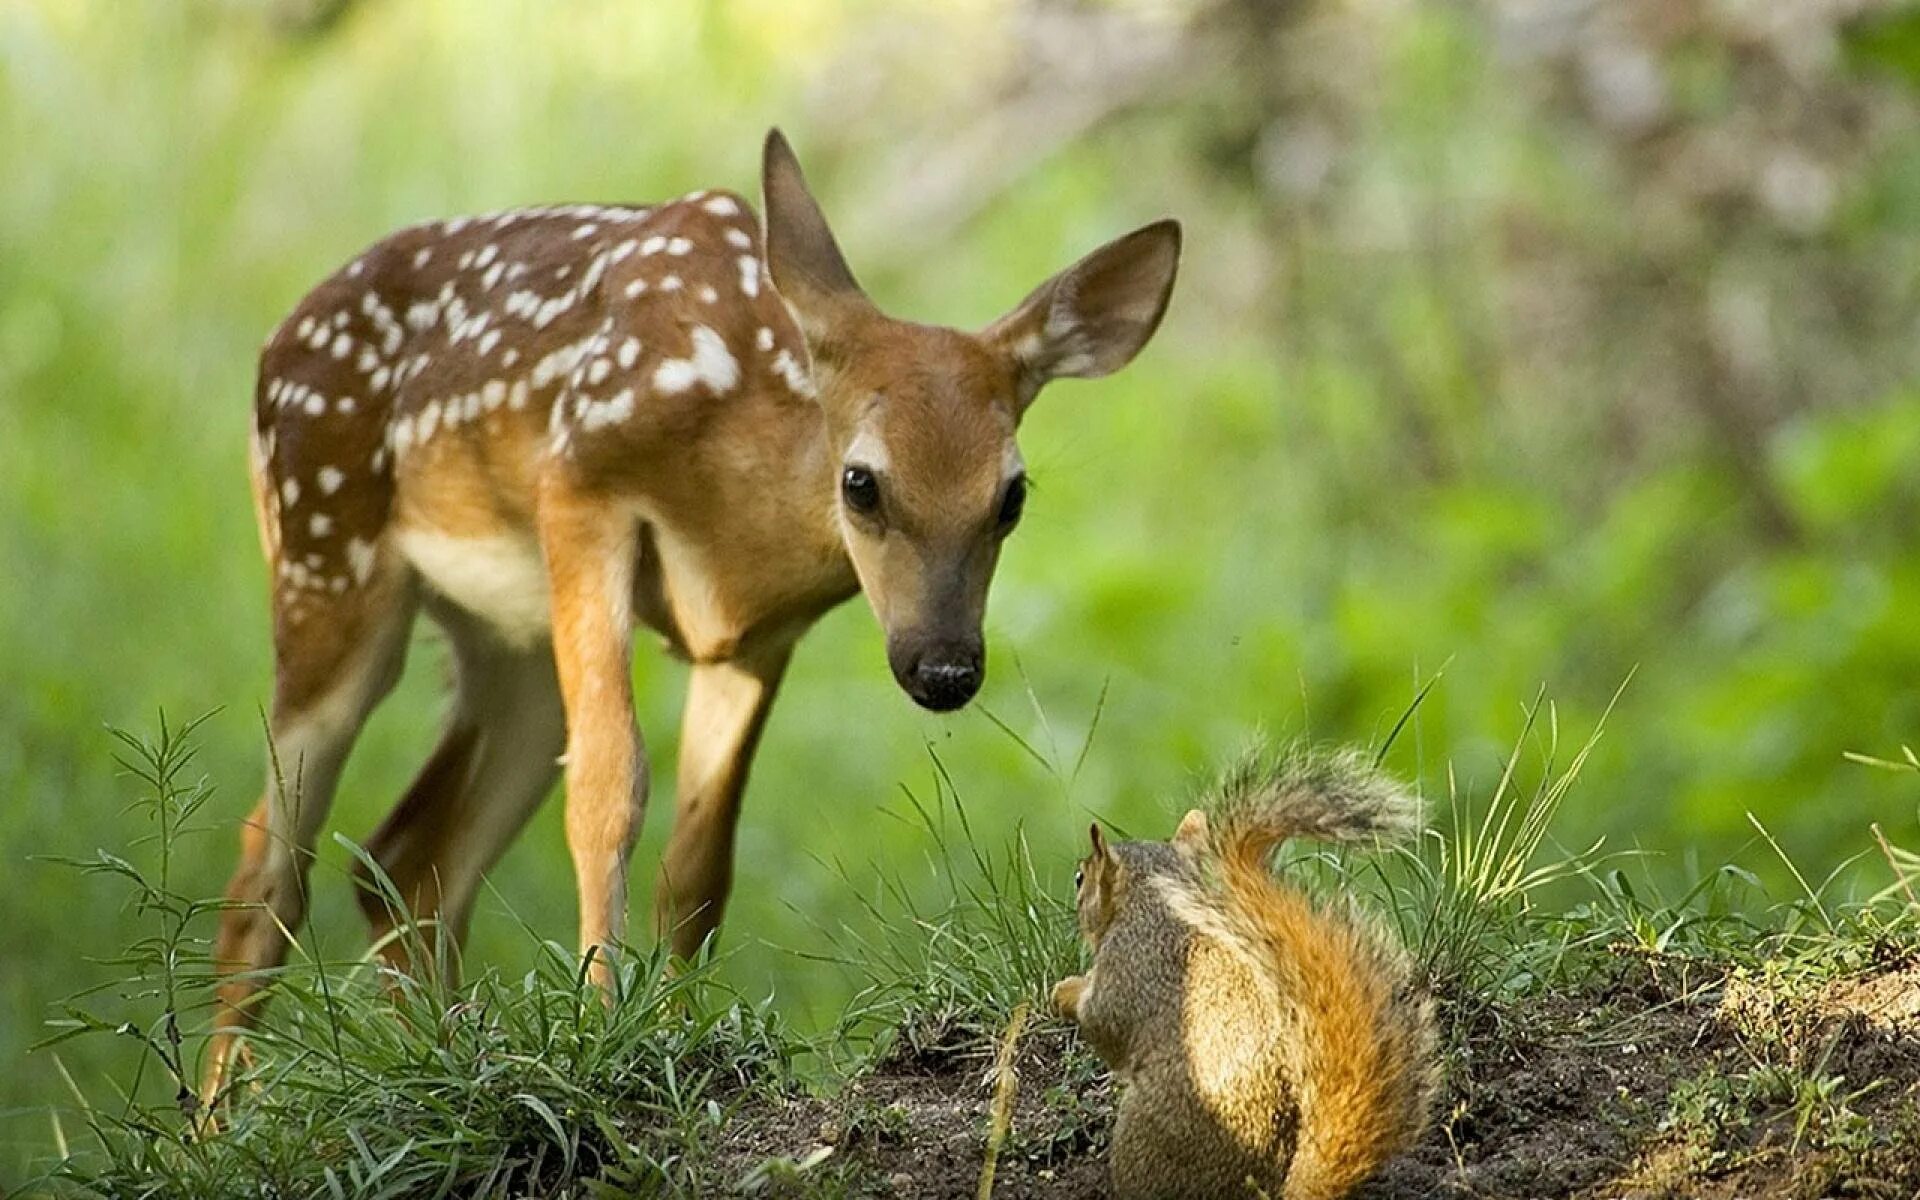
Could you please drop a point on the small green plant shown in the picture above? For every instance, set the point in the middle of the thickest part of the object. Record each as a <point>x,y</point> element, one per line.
<point>162,975</point>
<point>1722,1118</point>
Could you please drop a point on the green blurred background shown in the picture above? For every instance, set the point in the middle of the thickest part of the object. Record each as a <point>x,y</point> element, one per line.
<point>1547,341</point>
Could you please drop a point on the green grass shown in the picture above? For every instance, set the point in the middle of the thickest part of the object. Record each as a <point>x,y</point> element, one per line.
<point>1336,468</point>
<point>363,1083</point>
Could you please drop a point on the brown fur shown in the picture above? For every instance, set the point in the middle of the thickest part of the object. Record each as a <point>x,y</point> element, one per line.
<point>1266,1045</point>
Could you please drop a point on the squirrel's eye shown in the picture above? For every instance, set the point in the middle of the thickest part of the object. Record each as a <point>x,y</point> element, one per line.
<point>1014,502</point>
<point>861,489</point>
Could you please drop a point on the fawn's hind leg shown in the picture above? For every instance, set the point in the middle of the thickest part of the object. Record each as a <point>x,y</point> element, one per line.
<point>336,655</point>
<point>496,762</point>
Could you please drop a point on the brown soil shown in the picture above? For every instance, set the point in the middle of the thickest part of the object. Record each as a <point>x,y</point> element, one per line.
<point>1637,1089</point>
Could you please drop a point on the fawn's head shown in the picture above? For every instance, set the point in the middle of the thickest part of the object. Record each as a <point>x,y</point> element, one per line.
<point>921,419</point>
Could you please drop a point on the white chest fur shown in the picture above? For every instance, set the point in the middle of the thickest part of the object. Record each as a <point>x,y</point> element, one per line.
<point>499,578</point>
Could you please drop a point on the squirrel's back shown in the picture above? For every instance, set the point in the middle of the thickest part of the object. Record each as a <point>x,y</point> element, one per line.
<point>1358,1037</point>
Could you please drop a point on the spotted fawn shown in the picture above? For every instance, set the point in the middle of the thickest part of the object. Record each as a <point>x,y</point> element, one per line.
<point>547,426</point>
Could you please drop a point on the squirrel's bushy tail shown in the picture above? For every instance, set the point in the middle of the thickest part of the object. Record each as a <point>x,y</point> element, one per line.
<point>1361,1052</point>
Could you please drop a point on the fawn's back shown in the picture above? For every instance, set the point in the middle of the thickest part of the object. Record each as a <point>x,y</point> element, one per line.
<point>418,394</point>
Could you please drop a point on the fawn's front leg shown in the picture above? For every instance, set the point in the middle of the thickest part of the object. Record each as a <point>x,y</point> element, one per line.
<point>727,706</point>
<point>590,546</point>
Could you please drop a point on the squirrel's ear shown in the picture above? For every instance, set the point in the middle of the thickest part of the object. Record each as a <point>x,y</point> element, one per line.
<point>1103,855</point>
<point>1192,834</point>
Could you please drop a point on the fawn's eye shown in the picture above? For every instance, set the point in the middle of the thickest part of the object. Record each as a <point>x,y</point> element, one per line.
<point>1079,878</point>
<point>861,489</point>
<point>1014,502</point>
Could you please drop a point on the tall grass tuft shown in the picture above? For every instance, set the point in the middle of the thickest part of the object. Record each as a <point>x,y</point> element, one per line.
<point>1470,891</point>
<point>952,968</point>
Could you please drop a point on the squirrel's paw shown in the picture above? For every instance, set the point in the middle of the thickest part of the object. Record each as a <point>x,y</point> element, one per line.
<point>1067,995</point>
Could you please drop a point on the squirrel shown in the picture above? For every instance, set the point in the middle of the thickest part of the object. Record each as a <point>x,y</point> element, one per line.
<point>1266,1045</point>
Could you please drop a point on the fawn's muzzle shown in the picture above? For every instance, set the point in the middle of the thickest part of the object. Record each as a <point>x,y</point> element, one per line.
<point>941,677</point>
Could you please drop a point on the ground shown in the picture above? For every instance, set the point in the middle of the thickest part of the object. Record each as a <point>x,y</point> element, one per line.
<point>1650,1083</point>
<point>1625,1044</point>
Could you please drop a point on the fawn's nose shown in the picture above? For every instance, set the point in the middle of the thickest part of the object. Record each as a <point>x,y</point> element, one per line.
<point>942,678</point>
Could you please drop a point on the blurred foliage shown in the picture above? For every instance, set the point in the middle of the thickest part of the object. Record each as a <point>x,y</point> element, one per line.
<point>1550,340</point>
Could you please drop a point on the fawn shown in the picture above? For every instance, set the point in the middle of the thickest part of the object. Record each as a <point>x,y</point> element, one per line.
<point>547,425</point>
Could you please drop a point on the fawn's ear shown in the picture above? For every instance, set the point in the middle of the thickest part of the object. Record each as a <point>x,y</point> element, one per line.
<point>804,260</point>
<point>1092,318</point>
<point>1191,836</point>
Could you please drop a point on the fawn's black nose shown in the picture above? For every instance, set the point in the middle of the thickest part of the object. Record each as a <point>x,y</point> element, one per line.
<point>942,678</point>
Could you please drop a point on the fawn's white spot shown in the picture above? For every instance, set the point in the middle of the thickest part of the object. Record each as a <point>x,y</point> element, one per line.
<point>721,206</point>
<point>789,369</point>
<point>629,353</point>
<point>360,560</point>
<point>739,239</point>
<point>749,274</point>
<point>710,364</point>
<point>599,414</point>
<point>561,361</point>
<point>320,525</point>
<point>764,339</point>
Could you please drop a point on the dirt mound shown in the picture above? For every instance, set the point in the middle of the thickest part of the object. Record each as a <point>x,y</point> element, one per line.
<point>1748,1087</point>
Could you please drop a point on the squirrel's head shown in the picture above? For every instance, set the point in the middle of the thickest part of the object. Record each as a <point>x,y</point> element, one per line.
<point>1100,885</point>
